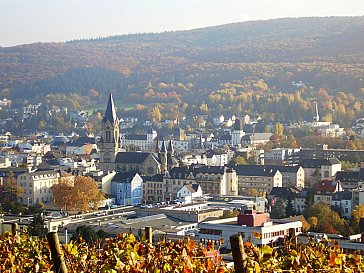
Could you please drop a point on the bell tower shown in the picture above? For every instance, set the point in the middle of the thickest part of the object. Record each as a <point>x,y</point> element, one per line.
<point>110,143</point>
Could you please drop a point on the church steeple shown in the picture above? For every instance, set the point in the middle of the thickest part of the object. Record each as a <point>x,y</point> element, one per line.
<point>163,157</point>
<point>110,143</point>
<point>110,113</point>
<point>170,147</point>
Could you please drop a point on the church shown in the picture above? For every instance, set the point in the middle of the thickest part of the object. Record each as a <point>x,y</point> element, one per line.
<point>112,158</point>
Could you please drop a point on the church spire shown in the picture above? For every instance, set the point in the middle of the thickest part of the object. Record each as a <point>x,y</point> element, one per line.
<point>110,113</point>
<point>170,146</point>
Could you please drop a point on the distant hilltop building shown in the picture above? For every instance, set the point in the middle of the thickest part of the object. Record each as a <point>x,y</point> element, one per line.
<point>112,158</point>
<point>316,117</point>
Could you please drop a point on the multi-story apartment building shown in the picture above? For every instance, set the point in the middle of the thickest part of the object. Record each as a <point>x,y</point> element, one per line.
<point>36,186</point>
<point>260,178</point>
<point>282,156</point>
<point>321,151</point>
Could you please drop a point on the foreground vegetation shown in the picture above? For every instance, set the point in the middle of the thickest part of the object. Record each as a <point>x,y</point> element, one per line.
<point>127,254</point>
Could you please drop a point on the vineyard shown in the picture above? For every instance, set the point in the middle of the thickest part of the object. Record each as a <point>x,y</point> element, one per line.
<point>22,253</point>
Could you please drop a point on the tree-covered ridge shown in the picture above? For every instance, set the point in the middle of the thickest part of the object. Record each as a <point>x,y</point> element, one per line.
<point>326,41</point>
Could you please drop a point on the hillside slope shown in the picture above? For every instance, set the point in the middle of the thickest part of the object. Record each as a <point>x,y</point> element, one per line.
<point>316,42</point>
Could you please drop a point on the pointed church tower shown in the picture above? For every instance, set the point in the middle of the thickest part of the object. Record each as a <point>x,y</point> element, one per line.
<point>237,133</point>
<point>110,143</point>
<point>170,149</point>
<point>163,157</point>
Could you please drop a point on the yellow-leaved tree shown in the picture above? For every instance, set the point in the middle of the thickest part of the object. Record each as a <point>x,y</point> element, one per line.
<point>78,194</point>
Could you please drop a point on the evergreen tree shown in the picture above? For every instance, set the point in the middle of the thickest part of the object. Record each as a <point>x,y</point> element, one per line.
<point>290,211</point>
<point>37,226</point>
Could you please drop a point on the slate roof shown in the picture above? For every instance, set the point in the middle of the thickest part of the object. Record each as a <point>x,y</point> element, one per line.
<point>132,157</point>
<point>84,140</point>
<point>110,113</point>
<point>208,169</point>
<point>156,177</point>
<point>136,137</point>
<point>210,153</point>
<point>342,195</point>
<point>305,192</point>
<point>348,176</point>
<point>317,163</point>
<point>283,192</point>
<point>254,170</point>
<point>123,177</point>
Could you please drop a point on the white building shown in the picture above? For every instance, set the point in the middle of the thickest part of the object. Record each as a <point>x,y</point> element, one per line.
<point>189,192</point>
<point>36,186</point>
<point>250,225</point>
<point>145,142</point>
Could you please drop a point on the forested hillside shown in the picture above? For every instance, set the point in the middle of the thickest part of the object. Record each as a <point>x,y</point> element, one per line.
<point>263,57</point>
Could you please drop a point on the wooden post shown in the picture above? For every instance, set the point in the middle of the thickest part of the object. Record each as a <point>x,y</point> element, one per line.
<point>14,228</point>
<point>292,237</point>
<point>56,252</point>
<point>239,256</point>
<point>149,234</point>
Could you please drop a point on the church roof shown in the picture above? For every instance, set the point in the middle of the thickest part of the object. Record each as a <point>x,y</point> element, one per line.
<point>110,113</point>
<point>131,157</point>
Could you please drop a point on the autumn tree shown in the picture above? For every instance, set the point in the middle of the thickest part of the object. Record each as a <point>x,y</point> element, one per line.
<point>82,193</point>
<point>356,215</point>
<point>155,114</point>
<point>328,221</point>
<point>9,194</point>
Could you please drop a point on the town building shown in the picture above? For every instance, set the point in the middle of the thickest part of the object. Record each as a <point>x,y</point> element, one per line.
<point>189,192</point>
<point>318,169</point>
<point>325,190</point>
<point>257,177</point>
<point>248,224</point>
<point>127,187</point>
<point>282,156</point>
<point>36,186</point>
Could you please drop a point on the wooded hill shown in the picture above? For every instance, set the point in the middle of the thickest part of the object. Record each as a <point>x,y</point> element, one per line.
<point>321,52</point>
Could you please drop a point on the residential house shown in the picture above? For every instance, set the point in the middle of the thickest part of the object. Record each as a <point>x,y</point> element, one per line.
<point>342,203</point>
<point>324,191</point>
<point>127,187</point>
<point>189,192</point>
<point>301,199</point>
<point>216,158</point>
<point>350,179</point>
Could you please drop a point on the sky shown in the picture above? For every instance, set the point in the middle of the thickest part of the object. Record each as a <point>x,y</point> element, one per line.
<point>30,21</point>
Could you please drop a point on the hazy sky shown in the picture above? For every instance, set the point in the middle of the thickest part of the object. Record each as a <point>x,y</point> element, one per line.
<point>28,21</point>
